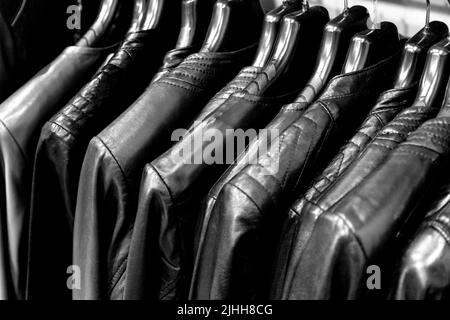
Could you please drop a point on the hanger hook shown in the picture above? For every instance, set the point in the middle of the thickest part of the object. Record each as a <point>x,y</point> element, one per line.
<point>375,23</point>
<point>346,5</point>
<point>427,18</point>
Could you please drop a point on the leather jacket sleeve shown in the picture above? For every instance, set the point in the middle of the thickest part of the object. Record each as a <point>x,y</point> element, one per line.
<point>115,159</point>
<point>348,237</point>
<point>231,264</point>
<point>298,224</point>
<point>41,33</point>
<point>22,116</point>
<point>59,156</point>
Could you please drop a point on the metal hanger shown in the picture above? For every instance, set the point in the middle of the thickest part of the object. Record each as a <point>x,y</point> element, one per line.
<point>335,43</point>
<point>100,26</point>
<point>139,13</point>
<point>234,25</point>
<point>270,30</point>
<point>19,12</point>
<point>295,52</point>
<point>436,74</point>
<point>372,45</point>
<point>195,19</point>
<point>415,51</point>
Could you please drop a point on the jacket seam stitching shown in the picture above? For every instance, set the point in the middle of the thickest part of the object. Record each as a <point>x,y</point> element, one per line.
<point>441,229</point>
<point>15,140</point>
<point>246,195</point>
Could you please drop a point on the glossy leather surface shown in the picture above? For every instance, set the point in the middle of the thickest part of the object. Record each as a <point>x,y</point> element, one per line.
<point>385,141</point>
<point>299,223</point>
<point>111,172</point>
<point>424,269</point>
<point>298,228</point>
<point>21,118</point>
<point>59,156</point>
<point>238,246</point>
<point>360,229</point>
<point>388,105</point>
<point>288,115</point>
<point>172,189</point>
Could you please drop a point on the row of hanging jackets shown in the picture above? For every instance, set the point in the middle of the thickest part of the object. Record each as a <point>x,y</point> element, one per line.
<point>96,204</point>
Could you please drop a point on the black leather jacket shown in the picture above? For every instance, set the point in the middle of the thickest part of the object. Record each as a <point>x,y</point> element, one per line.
<point>359,230</point>
<point>40,30</point>
<point>135,270</point>
<point>21,118</point>
<point>238,245</point>
<point>423,272</point>
<point>301,221</point>
<point>60,152</point>
<point>109,180</point>
<point>389,104</point>
<point>161,269</point>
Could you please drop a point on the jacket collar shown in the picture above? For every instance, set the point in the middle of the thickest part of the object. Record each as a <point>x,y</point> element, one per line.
<point>353,82</point>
